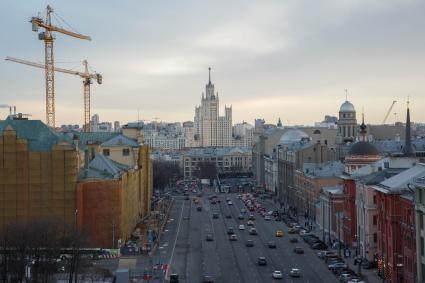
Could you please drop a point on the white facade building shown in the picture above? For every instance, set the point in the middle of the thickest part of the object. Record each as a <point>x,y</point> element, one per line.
<point>211,129</point>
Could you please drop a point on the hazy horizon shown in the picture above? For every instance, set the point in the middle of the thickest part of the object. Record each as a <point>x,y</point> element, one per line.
<point>268,60</point>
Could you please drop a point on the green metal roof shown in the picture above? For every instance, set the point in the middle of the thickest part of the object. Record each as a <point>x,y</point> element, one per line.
<point>97,137</point>
<point>40,137</point>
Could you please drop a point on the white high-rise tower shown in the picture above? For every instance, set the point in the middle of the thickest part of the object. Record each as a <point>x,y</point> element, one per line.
<point>211,129</point>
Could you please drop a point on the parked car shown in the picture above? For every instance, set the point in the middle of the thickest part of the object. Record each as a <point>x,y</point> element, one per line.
<point>250,223</point>
<point>356,280</point>
<point>319,246</point>
<point>295,272</point>
<point>262,261</point>
<point>240,217</point>
<point>291,231</point>
<point>241,227</point>
<point>174,278</point>
<point>249,243</point>
<point>267,218</point>
<point>207,279</point>
<point>199,208</point>
<point>298,250</point>
<point>251,217</point>
<point>322,254</point>
<point>230,231</point>
<point>228,216</point>
<point>337,265</point>
<point>271,245</point>
<point>277,274</point>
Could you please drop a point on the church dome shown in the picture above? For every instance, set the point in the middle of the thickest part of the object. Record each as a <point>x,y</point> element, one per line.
<point>347,106</point>
<point>293,136</point>
<point>363,148</point>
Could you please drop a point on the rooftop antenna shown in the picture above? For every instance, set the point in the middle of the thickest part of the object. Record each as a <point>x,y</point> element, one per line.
<point>209,75</point>
<point>346,95</point>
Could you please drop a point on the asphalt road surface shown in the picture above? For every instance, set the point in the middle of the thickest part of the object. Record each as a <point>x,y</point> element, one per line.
<point>185,249</point>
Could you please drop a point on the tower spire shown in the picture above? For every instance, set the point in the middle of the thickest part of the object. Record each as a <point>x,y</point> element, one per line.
<point>408,150</point>
<point>346,95</point>
<point>209,75</point>
<point>363,128</point>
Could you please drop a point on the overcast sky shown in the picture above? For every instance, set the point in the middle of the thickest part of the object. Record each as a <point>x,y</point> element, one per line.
<point>269,59</point>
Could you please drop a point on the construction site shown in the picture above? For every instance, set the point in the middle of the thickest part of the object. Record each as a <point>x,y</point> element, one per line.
<point>66,176</point>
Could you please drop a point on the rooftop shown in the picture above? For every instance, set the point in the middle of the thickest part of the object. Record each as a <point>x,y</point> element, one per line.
<point>326,170</point>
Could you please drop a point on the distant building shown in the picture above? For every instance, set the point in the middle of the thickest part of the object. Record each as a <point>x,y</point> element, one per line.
<point>328,122</point>
<point>97,126</point>
<point>212,130</point>
<point>347,123</point>
<point>117,126</point>
<point>225,160</point>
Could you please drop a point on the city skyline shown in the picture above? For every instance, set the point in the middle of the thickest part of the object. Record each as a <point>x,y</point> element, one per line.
<point>268,60</point>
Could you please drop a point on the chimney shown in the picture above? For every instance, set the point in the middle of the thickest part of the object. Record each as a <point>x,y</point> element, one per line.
<point>14,110</point>
<point>10,110</point>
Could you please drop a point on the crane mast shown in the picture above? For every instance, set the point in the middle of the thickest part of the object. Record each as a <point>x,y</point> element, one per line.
<point>48,37</point>
<point>87,81</point>
<point>388,112</point>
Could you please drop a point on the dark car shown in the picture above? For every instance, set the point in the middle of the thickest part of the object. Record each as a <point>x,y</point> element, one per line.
<point>251,217</point>
<point>249,243</point>
<point>262,261</point>
<point>271,245</point>
<point>174,278</point>
<point>209,237</point>
<point>293,240</point>
<point>298,250</point>
<point>253,231</point>
<point>199,208</point>
<point>240,217</point>
<point>215,215</point>
<point>207,279</point>
<point>319,246</point>
<point>228,216</point>
<point>230,231</point>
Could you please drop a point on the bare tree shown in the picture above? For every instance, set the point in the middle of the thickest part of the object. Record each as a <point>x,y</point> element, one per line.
<point>164,173</point>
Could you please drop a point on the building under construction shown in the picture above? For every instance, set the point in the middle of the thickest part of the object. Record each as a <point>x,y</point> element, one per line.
<point>44,174</point>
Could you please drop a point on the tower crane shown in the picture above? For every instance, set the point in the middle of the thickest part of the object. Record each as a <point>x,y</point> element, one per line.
<point>389,111</point>
<point>48,37</point>
<point>87,80</point>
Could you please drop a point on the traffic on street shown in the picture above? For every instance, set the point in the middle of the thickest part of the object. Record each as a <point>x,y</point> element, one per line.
<point>236,237</point>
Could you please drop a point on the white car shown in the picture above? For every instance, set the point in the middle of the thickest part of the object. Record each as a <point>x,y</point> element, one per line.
<point>230,202</point>
<point>277,274</point>
<point>241,227</point>
<point>295,272</point>
<point>355,281</point>
<point>267,217</point>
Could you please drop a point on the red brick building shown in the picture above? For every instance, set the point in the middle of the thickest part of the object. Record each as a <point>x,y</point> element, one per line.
<point>396,227</point>
<point>349,225</point>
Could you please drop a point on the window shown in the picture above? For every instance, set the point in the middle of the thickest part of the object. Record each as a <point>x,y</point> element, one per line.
<point>422,246</point>
<point>375,220</point>
<point>374,199</point>
<point>106,152</point>
<point>375,237</point>
<point>126,152</point>
<point>421,221</point>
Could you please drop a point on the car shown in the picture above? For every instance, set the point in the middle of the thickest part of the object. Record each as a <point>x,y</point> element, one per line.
<point>250,223</point>
<point>267,218</point>
<point>241,227</point>
<point>213,202</point>
<point>230,231</point>
<point>228,216</point>
<point>356,280</point>
<point>209,237</point>
<point>174,278</point>
<point>240,217</point>
<point>295,272</point>
<point>304,233</point>
<point>345,277</point>
<point>337,265</point>
<point>298,250</point>
<point>233,237</point>
<point>293,240</point>
<point>199,208</point>
<point>262,260</point>
<point>253,231</point>
<point>271,245</point>
<point>243,210</point>
<point>319,246</point>
<point>251,217</point>
<point>279,233</point>
<point>215,215</point>
<point>277,274</point>
<point>207,279</point>
<point>230,202</point>
<point>249,243</point>
<point>291,230</point>
<point>323,254</point>
<point>186,198</point>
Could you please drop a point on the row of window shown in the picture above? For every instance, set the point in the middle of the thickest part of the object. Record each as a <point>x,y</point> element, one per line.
<point>125,152</point>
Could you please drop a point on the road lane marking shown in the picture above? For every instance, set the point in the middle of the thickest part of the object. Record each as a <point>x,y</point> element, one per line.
<point>175,242</point>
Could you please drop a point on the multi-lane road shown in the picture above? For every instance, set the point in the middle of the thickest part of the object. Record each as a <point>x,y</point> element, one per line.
<point>185,249</point>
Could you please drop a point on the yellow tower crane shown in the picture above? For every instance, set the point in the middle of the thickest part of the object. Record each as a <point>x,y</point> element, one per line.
<point>48,37</point>
<point>87,80</point>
